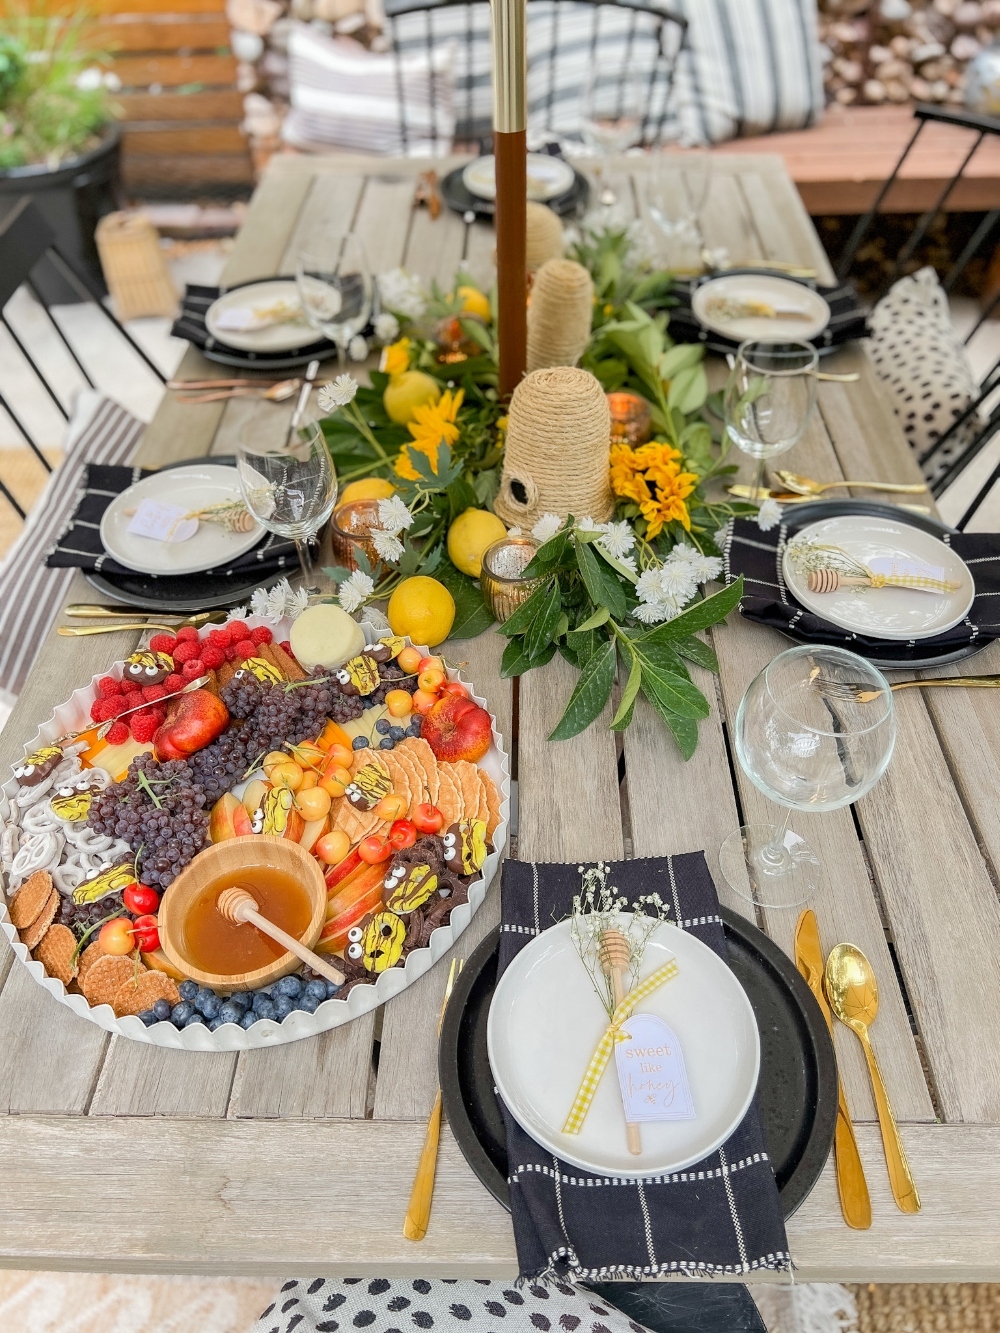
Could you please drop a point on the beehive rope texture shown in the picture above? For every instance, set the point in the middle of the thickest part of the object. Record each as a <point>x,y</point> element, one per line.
<point>560,314</point>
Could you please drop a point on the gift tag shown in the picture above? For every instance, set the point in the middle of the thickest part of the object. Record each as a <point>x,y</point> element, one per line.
<point>651,1072</point>
<point>897,565</point>
<point>162,522</point>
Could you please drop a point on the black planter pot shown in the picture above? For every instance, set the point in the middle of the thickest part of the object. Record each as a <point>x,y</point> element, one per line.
<point>73,198</point>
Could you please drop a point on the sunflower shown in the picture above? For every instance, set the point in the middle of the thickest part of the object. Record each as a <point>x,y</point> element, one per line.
<point>395,357</point>
<point>433,424</point>
<point>651,476</point>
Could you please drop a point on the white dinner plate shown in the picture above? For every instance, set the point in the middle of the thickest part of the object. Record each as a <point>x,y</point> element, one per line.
<point>548,177</point>
<point>884,613</point>
<point>194,487</point>
<point>545,1021</point>
<point>777,292</point>
<point>274,338</point>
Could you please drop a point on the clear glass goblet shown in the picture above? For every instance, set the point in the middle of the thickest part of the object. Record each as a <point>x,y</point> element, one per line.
<point>287,479</point>
<point>676,193</point>
<point>770,396</point>
<point>814,731</point>
<point>335,287</point>
<point>612,114</point>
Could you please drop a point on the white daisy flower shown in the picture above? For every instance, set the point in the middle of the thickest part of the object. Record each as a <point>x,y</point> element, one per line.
<point>277,600</point>
<point>678,582</point>
<point>387,544</point>
<point>355,591</point>
<point>402,293</point>
<point>721,536</point>
<point>237,613</point>
<point>647,585</point>
<point>682,554</point>
<point>296,602</point>
<point>357,348</point>
<point>514,532</point>
<point>393,514</point>
<point>338,393</point>
<point>618,539</point>
<point>386,327</point>
<point>258,602</point>
<point>769,515</point>
<point>629,562</point>
<point>652,613</point>
<point>588,525</point>
<point>706,567</point>
<point>547,526</point>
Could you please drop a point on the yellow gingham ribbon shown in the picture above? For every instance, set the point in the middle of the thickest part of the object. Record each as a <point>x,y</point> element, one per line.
<point>921,581</point>
<point>612,1033</point>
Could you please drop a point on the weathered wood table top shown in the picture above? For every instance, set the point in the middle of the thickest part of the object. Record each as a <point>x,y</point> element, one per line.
<point>299,1160</point>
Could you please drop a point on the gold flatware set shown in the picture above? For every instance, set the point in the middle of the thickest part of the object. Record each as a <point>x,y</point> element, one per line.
<point>131,618</point>
<point>845,987</point>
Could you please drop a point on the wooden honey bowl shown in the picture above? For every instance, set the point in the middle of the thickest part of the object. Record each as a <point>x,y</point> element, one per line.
<point>236,860</point>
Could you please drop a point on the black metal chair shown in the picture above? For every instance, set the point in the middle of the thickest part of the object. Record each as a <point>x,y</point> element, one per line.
<point>26,239</point>
<point>634,42</point>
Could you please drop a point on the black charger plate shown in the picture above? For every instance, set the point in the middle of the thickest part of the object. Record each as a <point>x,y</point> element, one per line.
<point>796,1091</point>
<point>462,200</point>
<point>899,657</point>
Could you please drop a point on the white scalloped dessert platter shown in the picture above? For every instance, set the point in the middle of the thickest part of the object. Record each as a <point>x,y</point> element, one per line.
<point>74,715</point>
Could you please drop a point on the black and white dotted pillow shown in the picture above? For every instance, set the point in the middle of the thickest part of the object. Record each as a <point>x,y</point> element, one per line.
<point>922,363</point>
<point>405,1305</point>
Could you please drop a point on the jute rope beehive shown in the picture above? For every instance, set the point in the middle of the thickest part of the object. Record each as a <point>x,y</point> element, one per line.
<point>556,455</point>
<point>559,317</point>
<point>544,236</point>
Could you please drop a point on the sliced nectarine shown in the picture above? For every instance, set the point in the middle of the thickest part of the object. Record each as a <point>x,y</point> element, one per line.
<point>333,735</point>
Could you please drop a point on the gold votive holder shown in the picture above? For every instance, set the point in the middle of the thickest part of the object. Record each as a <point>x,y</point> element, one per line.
<point>502,575</point>
<point>631,418</point>
<point>351,532</point>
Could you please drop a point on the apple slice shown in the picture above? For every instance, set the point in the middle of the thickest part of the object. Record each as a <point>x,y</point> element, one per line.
<point>354,888</point>
<point>342,869</point>
<point>334,936</point>
<point>254,793</point>
<point>221,821</point>
<point>312,832</point>
<point>157,961</point>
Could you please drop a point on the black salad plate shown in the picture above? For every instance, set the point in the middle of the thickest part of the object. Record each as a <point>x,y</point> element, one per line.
<point>895,655</point>
<point>462,200</point>
<point>182,593</point>
<point>796,1091</point>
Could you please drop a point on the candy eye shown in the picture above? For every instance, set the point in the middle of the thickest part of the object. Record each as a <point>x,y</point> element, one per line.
<point>152,670</point>
<point>65,791</point>
<point>92,874</point>
<point>354,934</point>
<point>354,951</point>
<point>239,675</point>
<point>344,677</point>
<point>27,770</point>
<point>449,840</point>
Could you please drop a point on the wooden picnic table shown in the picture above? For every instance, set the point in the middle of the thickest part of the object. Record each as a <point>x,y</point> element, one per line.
<point>298,1160</point>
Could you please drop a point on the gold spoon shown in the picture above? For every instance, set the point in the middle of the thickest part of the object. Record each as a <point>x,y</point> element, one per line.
<point>84,631</point>
<point>806,485</point>
<point>852,991</point>
<point>84,611</point>
<point>744,492</point>
<point>277,393</point>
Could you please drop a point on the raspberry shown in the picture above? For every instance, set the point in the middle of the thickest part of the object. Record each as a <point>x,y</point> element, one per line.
<point>221,637</point>
<point>213,657</point>
<point>101,710</point>
<point>261,634</point>
<point>163,643</point>
<point>188,634</point>
<point>286,647</point>
<point>118,734</point>
<point>239,630</point>
<point>133,699</point>
<point>193,668</point>
<point>233,654</point>
<point>159,711</point>
<point>173,682</point>
<point>108,687</point>
<point>152,692</point>
<point>144,726</point>
<point>186,652</point>
<point>246,649</point>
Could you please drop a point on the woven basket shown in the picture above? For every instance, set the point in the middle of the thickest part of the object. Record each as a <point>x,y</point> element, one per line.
<point>556,455</point>
<point>135,268</point>
<point>560,313</point>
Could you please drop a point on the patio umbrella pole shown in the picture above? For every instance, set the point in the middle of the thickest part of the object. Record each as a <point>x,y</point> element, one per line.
<point>510,147</point>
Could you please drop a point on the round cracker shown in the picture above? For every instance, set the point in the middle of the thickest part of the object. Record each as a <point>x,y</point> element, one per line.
<point>492,803</point>
<point>426,764</point>
<point>33,934</point>
<point>106,977</point>
<point>55,953</point>
<point>88,958</point>
<point>468,780</point>
<point>449,800</point>
<point>414,778</point>
<point>399,776</point>
<point>141,992</point>
<point>30,899</point>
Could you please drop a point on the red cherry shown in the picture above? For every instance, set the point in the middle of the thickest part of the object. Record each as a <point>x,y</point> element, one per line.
<point>374,849</point>
<point>428,818</point>
<point>146,933</point>
<point>403,833</point>
<point>140,899</point>
<point>454,687</point>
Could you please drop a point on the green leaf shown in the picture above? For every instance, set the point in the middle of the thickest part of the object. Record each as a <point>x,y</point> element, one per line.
<point>707,612</point>
<point>682,357</point>
<point>661,655</point>
<point>543,627</point>
<point>616,565</point>
<point>519,622</point>
<point>461,497</point>
<point>683,729</point>
<point>626,721</point>
<point>618,722</point>
<point>695,650</point>
<point>514,661</point>
<point>688,390</point>
<point>562,625</point>
<point>336,573</point>
<point>548,557</point>
<point>472,615</point>
<point>593,622</point>
<point>674,692</point>
<point>583,644</point>
<point>603,588</point>
<point>592,692</point>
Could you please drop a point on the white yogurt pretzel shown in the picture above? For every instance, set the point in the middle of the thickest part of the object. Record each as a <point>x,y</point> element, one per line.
<point>41,852</point>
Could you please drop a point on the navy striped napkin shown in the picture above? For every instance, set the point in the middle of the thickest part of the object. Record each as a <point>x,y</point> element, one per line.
<point>722,1216</point>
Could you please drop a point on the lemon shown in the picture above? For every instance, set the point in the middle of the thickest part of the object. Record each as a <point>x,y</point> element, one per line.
<point>422,609</point>
<point>475,302</point>
<point>368,488</point>
<point>408,391</point>
<point>469,536</point>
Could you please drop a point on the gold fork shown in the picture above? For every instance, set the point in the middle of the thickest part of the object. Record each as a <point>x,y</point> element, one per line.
<point>836,689</point>
<point>418,1214</point>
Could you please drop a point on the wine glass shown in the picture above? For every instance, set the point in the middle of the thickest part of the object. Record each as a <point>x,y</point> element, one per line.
<point>676,193</point>
<point>770,396</point>
<point>814,731</point>
<point>287,479</point>
<point>335,287</point>
<point>612,115</point>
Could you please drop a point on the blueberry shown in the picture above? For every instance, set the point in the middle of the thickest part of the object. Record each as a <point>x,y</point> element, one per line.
<point>398,733</point>
<point>208,1004</point>
<point>231,1013</point>
<point>387,744</point>
<point>261,997</point>
<point>149,1018</point>
<point>331,990</point>
<point>290,985</point>
<point>214,1023</point>
<point>248,1019</point>
<point>188,989</point>
<point>310,1003</point>
<point>162,1010</point>
<point>360,743</point>
<point>266,1008</point>
<point>241,997</point>
<point>316,987</point>
<point>283,1006</point>
<point>194,1018</point>
<point>383,726</point>
<point>180,1013</point>
<point>414,727</point>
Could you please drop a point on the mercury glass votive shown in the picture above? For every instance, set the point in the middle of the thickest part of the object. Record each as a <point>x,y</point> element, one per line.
<point>631,421</point>
<point>351,531</point>
<point>502,575</point>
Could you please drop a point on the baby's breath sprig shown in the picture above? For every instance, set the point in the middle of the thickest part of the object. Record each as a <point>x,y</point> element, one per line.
<point>599,907</point>
<point>807,557</point>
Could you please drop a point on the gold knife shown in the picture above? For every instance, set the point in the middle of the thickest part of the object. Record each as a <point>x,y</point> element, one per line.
<point>855,1203</point>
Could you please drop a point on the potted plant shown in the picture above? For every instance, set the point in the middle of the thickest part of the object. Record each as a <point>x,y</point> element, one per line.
<point>59,140</point>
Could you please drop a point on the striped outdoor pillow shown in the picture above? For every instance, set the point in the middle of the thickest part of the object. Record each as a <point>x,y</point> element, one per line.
<point>346,97</point>
<point>749,67</point>
<point>30,594</point>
